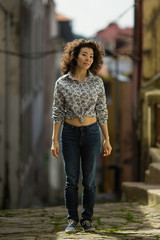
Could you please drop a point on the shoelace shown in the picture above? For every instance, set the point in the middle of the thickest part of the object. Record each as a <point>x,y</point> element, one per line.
<point>71,222</point>
<point>86,222</point>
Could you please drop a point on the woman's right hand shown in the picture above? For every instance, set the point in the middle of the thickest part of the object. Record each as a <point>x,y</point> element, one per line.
<point>55,149</point>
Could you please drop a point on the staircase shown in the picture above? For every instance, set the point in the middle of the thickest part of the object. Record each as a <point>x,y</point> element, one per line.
<point>149,191</point>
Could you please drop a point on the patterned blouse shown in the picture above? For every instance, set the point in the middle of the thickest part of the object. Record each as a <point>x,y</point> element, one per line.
<point>77,99</point>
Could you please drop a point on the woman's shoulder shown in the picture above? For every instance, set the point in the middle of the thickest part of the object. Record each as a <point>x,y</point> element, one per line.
<point>94,77</point>
<point>62,78</point>
<point>98,79</point>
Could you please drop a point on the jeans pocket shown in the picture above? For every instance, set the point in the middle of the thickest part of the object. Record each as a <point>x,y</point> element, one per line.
<point>66,129</point>
<point>94,128</point>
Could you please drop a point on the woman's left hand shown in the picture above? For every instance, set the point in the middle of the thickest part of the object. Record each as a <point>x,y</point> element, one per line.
<point>107,148</point>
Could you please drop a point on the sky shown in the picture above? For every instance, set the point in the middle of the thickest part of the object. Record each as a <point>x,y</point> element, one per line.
<point>90,16</point>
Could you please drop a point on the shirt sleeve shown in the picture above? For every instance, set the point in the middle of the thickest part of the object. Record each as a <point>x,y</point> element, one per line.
<point>101,105</point>
<point>58,109</point>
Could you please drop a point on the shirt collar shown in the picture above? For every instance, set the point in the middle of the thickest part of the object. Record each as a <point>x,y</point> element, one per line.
<point>90,76</point>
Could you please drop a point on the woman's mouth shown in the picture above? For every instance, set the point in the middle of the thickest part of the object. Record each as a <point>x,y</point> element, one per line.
<point>87,64</point>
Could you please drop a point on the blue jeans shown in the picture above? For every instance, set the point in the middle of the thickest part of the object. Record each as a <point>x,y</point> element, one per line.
<point>80,145</point>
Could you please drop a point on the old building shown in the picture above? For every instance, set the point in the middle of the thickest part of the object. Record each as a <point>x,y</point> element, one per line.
<point>29,48</point>
<point>118,43</point>
<point>149,113</point>
<point>146,103</point>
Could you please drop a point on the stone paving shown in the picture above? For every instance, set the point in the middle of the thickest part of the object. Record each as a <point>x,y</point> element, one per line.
<point>112,221</point>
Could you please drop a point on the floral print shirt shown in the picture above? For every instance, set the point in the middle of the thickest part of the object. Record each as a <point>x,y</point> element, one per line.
<point>78,99</point>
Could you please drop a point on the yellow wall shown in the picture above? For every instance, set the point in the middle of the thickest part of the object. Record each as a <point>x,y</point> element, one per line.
<point>149,93</point>
<point>151,38</point>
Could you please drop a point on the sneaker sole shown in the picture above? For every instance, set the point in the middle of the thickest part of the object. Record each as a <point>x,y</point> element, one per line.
<point>70,231</point>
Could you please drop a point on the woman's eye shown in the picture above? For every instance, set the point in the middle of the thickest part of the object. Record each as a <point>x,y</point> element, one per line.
<point>86,55</point>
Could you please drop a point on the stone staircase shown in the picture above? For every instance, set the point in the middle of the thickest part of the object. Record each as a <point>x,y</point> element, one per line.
<point>149,191</point>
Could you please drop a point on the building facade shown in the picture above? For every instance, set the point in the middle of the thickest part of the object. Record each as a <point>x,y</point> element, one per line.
<point>29,47</point>
<point>118,44</point>
<point>147,81</point>
<point>146,105</point>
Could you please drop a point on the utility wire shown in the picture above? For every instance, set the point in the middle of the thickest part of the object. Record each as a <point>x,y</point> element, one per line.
<point>126,11</point>
<point>120,16</point>
<point>31,55</point>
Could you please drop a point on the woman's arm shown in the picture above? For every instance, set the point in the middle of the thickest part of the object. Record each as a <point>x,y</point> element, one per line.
<point>55,143</point>
<point>58,114</point>
<point>104,129</point>
<point>106,143</point>
<point>102,116</point>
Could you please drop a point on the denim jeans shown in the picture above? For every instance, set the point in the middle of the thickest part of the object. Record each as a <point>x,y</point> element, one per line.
<point>80,145</point>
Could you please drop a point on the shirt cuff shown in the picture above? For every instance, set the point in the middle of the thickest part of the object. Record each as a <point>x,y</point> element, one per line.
<point>58,121</point>
<point>103,122</point>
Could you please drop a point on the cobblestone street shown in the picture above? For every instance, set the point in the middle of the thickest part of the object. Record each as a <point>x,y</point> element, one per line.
<point>111,220</point>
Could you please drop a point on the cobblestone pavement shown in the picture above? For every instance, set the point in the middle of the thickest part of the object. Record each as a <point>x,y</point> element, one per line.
<point>112,221</point>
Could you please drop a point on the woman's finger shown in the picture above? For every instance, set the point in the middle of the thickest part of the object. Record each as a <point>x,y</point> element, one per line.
<point>56,153</point>
<point>107,151</point>
<point>105,154</point>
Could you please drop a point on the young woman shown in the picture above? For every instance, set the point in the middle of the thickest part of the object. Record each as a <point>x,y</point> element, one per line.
<point>80,105</point>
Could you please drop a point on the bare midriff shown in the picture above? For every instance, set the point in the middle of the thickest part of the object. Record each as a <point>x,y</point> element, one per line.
<point>76,121</point>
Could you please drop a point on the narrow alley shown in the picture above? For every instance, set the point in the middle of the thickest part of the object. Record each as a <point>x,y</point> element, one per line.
<point>33,34</point>
<point>113,221</point>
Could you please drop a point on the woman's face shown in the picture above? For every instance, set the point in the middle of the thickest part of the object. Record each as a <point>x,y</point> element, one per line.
<point>85,58</point>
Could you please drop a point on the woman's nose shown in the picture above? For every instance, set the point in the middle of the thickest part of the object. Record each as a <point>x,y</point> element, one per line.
<point>87,58</point>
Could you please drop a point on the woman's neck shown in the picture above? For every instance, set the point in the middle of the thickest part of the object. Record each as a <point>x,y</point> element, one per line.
<point>80,75</point>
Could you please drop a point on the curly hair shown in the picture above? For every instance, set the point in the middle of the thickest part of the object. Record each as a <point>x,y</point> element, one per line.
<point>71,52</point>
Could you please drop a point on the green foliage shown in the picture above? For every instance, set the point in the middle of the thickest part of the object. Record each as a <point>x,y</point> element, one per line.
<point>128,217</point>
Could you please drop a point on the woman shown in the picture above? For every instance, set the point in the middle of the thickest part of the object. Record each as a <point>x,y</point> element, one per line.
<point>80,105</point>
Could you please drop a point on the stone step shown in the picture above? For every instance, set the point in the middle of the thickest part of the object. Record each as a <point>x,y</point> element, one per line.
<point>153,196</point>
<point>140,192</point>
<point>154,173</point>
<point>154,154</point>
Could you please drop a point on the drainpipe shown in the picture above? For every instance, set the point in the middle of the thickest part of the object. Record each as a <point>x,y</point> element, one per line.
<point>140,40</point>
<point>7,81</point>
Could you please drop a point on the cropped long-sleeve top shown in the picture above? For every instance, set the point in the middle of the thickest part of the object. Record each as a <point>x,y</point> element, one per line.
<point>78,99</point>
